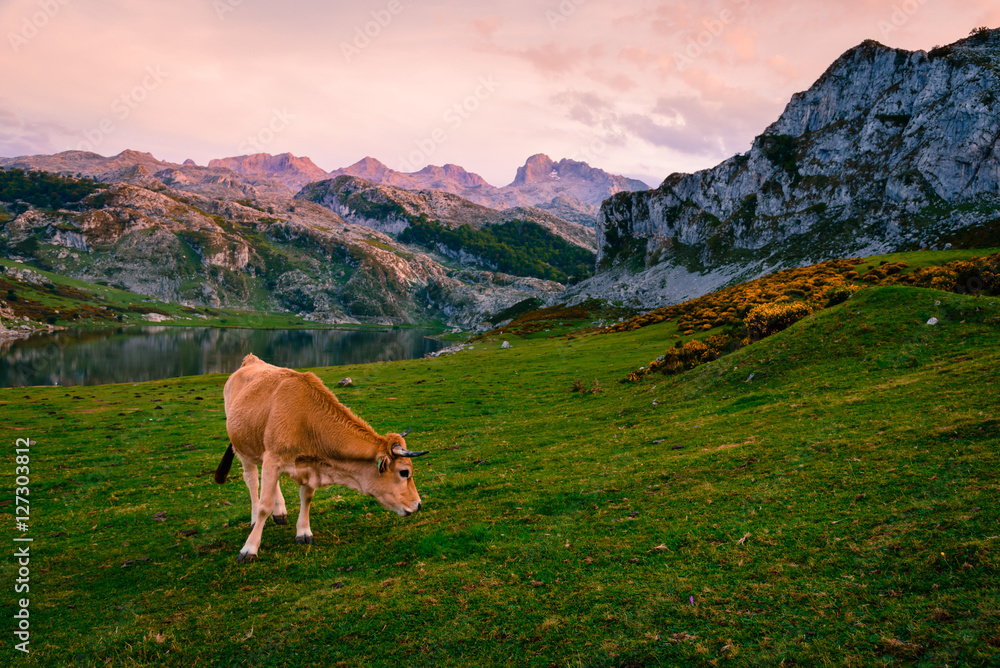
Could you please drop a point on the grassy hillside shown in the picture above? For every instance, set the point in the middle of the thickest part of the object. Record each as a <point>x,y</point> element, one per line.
<point>824,496</point>
<point>44,297</point>
<point>517,247</point>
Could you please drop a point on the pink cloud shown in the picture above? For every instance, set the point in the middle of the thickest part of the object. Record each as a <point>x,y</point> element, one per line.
<point>783,68</point>
<point>486,27</point>
<point>742,41</point>
<point>635,55</point>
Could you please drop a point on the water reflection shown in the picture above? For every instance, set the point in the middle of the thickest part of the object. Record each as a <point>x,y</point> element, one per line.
<point>125,355</point>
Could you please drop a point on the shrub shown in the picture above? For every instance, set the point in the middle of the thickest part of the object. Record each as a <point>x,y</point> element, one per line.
<point>683,357</point>
<point>839,294</point>
<point>767,319</point>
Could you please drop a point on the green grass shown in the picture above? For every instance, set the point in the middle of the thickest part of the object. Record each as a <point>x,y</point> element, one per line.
<point>923,259</point>
<point>839,508</point>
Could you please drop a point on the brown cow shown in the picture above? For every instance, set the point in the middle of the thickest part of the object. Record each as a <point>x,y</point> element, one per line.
<point>288,422</point>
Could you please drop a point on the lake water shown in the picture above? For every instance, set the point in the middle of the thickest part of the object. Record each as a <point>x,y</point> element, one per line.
<point>128,355</point>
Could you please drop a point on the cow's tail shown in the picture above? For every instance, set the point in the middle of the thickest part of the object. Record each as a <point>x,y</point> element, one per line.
<point>222,472</point>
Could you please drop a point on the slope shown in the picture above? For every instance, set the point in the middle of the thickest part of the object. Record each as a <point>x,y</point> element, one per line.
<point>834,509</point>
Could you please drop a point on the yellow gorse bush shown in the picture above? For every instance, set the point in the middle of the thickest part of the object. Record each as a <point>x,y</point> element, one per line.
<point>766,319</point>
<point>772,303</point>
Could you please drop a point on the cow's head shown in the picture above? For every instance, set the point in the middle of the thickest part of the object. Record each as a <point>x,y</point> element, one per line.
<point>392,482</point>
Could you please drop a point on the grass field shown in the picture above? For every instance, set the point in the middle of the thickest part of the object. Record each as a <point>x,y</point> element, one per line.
<point>826,496</point>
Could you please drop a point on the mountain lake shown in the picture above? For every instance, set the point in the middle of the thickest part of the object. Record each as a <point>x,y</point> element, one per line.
<point>136,354</point>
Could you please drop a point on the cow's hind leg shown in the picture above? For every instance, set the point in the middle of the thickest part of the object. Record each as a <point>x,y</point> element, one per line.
<point>250,477</point>
<point>303,534</point>
<point>270,469</point>
<point>280,512</point>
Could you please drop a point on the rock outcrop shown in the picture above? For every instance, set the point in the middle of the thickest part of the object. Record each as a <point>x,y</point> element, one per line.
<point>889,150</point>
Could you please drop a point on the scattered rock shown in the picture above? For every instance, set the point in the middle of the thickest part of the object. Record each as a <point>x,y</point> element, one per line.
<point>932,321</point>
<point>346,382</point>
<point>160,517</point>
<point>505,345</point>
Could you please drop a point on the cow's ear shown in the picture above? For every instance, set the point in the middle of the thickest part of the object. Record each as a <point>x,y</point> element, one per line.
<point>383,463</point>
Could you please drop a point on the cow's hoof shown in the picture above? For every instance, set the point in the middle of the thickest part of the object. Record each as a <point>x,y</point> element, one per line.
<point>252,524</point>
<point>280,519</point>
<point>245,558</point>
<point>304,540</point>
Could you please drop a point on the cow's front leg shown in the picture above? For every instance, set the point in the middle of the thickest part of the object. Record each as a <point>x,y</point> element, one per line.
<point>280,512</point>
<point>268,491</point>
<point>303,534</point>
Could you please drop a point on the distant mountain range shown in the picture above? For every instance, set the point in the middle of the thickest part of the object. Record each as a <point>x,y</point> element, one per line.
<point>568,189</point>
<point>278,233</point>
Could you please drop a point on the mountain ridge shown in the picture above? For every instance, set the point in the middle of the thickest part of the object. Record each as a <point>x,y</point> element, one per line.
<point>889,150</point>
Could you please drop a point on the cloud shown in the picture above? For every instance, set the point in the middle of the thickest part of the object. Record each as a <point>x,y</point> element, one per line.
<point>638,56</point>
<point>487,27</point>
<point>677,137</point>
<point>20,137</point>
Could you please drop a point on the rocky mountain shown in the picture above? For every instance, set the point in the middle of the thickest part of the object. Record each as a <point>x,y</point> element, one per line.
<point>389,209</point>
<point>568,189</point>
<point>144,170</point>
<point>284,168</point>
<point>267,253</point>
<point>889,150</point>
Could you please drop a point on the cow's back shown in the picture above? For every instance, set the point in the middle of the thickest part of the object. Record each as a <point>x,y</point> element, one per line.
<point>255,395</point>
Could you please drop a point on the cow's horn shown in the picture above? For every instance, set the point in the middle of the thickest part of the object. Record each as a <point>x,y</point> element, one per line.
<point>400,451</point>
<point>406,432</point>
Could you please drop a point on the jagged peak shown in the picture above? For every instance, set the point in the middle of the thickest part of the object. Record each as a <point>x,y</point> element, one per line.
<point>134,155</point>
<point>455,173</point>
<point>370,162</point>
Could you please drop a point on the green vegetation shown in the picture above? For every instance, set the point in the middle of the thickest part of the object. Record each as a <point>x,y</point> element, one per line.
<point>58,300</point>
<point>43,189</point>
<point>518,247</point>
<point>825,496</point>
<point>894,119</point>
<point>782,151</point>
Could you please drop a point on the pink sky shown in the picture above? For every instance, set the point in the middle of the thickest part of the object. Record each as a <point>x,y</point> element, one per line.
<point>636,87</point>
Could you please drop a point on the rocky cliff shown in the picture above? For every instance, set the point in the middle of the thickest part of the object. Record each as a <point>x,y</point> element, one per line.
<point>284,168</point>
<point>888,150</point>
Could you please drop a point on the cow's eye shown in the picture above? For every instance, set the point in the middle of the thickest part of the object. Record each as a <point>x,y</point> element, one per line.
<point>404,474</point>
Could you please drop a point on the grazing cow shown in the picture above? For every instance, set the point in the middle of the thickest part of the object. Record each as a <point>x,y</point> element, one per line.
<point>285,421</point>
